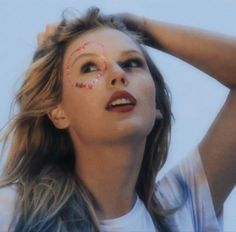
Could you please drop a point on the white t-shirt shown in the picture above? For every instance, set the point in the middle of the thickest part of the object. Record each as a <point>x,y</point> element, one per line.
<point>196,215</point>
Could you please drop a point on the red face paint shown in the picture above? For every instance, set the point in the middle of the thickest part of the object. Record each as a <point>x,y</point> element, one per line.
<point>95,60</point>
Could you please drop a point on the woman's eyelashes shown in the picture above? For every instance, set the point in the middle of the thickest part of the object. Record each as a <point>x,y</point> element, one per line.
<point>132,63</point>
<point>127,65</point>
<point>89,67</point>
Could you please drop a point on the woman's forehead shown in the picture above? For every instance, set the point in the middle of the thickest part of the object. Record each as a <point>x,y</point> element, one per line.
<point>108,41</point>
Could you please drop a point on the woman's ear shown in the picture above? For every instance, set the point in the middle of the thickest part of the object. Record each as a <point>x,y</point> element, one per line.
<point>159,115</point>
<point>59,118</point>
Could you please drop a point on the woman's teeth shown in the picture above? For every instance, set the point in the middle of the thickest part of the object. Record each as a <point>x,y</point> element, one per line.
<point>120,101</point>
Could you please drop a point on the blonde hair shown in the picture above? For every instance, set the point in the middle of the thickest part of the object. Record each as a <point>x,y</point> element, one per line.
<point>41,157</point>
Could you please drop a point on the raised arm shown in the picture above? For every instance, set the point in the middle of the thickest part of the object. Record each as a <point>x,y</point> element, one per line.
<point>216,55</point>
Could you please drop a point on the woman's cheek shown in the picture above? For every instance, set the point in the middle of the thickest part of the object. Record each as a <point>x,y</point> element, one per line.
<point>148,91</point>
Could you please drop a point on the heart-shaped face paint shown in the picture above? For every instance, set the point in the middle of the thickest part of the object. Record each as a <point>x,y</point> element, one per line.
<point>86,65</point>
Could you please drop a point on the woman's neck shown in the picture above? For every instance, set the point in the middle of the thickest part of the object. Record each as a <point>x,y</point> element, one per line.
<point>110,172</point>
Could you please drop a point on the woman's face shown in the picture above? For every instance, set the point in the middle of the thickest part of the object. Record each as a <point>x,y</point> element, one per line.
<point>101,68</point>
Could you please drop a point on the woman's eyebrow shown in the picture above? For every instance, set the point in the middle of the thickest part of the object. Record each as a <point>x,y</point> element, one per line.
<point>127,52</point>
<point>123,53</point>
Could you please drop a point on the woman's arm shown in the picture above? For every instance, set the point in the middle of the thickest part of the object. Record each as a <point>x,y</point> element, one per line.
<point>212,53</point>
<point>216,55</point>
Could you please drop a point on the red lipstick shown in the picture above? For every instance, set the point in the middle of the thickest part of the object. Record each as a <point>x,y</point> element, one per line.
<point>126,106</point>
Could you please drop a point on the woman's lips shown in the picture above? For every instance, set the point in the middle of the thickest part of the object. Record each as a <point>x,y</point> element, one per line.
<point>123,107</point>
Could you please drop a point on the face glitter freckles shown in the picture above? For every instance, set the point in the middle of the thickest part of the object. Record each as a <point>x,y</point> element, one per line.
<point>85,68</point>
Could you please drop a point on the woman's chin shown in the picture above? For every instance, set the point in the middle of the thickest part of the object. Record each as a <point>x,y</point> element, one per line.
<point>133,130</point>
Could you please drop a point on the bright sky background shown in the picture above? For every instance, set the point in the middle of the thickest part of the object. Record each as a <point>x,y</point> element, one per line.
<point>196,98</point>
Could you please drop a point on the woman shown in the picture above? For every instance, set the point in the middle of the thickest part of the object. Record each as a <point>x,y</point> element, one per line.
<point>93,128</point>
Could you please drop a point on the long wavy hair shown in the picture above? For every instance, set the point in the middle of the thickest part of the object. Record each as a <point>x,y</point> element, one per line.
<point>41,161</point>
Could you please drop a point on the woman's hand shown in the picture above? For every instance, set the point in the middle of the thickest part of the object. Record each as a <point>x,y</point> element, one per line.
<point>131,21</point>
<point>137,24</point>
<point>45,35</point>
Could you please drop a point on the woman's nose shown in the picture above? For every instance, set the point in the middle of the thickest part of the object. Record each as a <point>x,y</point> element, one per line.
<point>117,76</point>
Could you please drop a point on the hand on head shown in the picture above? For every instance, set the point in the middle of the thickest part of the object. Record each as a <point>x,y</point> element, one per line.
<point>131,21</point>
<point>49,31</point>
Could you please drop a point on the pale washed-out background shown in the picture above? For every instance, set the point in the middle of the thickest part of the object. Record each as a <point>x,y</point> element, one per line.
<point>196,98</point>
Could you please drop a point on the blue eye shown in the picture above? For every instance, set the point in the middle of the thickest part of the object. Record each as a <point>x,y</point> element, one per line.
<point>89,67</point>
<point>132,63</point>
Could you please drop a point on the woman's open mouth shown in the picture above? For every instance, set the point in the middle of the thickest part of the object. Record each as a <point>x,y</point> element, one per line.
<point>121,101</point>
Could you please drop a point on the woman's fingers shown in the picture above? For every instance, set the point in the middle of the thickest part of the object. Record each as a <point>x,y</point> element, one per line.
<point>138,24</point>
<point>49,31</point>
<point>132,22</point>
<point>40,38</point>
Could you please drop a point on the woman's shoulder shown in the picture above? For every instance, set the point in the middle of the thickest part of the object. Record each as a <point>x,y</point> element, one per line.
<point>189,172</point>
<point>186,187</point>
<point>185,180</point>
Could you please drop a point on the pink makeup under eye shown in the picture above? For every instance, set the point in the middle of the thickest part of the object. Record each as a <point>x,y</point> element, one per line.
<point>79,52</point>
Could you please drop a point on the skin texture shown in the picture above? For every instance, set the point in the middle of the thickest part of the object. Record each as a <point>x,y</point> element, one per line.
<point>109,145</point>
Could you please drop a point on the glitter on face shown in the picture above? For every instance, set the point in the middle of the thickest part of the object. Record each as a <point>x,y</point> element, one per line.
<point>94,76</point>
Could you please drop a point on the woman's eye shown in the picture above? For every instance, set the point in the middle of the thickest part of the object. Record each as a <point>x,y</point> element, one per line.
<point>132,63</point>
<point>89,67</point>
